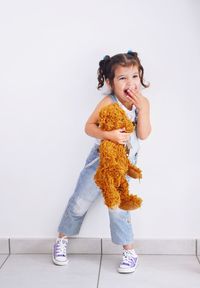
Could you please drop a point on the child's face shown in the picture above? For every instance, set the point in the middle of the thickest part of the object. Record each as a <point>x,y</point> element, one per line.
<point>126,77</point>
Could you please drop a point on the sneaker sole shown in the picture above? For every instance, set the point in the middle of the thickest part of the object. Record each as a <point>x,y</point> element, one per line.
<point>59,263</point>
<point>128,270</point>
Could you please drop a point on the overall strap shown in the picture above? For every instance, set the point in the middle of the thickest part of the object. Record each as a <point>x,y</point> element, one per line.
<point>113,97</point>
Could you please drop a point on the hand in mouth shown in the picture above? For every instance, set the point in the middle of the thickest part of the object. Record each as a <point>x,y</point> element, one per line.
<point>127,92</point>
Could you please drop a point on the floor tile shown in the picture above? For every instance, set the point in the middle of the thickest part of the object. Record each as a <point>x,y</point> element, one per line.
<point>3,257</point>
<point>32,270</point>
<point>176,271</point>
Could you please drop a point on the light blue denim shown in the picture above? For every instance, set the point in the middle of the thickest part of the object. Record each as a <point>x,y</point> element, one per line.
<point>86,192</point>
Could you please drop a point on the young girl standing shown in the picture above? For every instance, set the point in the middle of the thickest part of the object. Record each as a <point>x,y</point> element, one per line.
<point>123,73</point>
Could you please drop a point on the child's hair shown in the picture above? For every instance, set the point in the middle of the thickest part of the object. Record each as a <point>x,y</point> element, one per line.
<point>108,65</point>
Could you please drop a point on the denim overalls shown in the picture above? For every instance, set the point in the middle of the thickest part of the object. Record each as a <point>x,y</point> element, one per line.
<point>86,192</point>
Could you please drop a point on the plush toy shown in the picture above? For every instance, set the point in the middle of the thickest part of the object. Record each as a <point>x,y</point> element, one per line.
<point>114,164</point>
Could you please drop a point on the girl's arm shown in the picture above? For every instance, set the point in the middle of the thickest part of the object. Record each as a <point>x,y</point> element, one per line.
<point>143,121</point>
<point>142,104</point>
<point>91,126</point>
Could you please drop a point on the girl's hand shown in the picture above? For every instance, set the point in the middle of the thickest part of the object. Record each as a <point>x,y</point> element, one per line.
<point>142,105</point>
<point>118,135</point>
<point>136,98</point>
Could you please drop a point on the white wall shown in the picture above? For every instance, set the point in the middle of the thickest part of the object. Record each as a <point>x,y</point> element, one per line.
<point>49,56</point>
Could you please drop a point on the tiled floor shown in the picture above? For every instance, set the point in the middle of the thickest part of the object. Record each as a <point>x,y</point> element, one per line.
<point>92,271</point>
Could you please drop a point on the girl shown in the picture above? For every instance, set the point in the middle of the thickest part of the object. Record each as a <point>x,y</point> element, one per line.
<point>123,73</point>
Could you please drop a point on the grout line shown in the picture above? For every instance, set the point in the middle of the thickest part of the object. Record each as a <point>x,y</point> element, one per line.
<point>9,246</point>
<point>4,261</point>
<point>197,251</point>
<point>198,259</point>
<point>7,255</point>
<point>196,247</point>
<point>99,265</point>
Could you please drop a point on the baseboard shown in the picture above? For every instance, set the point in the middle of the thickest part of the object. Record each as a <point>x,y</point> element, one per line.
<point>101,246</point>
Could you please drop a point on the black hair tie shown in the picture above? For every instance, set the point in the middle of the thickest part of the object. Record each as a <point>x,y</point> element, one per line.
<point>106,58</point>
<point>130,52</point>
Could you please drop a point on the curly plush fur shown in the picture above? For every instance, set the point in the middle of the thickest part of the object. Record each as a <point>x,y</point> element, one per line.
<point>114,163</point>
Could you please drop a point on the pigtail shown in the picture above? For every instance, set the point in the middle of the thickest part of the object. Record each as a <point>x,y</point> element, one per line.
<point>102,71</point>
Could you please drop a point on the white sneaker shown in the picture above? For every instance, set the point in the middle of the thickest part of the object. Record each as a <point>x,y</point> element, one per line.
<point>59,253</point>
<point>129,262</point>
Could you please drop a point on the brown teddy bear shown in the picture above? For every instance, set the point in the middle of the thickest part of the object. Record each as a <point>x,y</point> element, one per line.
<point>114,164</point>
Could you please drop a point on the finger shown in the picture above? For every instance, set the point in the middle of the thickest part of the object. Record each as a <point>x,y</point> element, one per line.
<point>124,141</point>
<point>122,130</point>
<point>132,101</point>
<point>131,93</point>
<point>134,96</point>
<point>137,94</point>
<point>125,138</point>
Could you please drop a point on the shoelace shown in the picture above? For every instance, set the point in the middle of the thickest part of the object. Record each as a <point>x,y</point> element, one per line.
<point>60,248</point>
<point>128,258</point>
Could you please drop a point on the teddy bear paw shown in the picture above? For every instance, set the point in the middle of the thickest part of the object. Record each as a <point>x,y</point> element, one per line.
<point>134,172</point>
<point>131,203</point>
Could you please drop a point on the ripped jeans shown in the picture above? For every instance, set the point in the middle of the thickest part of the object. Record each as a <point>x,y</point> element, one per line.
<point>86,192</point>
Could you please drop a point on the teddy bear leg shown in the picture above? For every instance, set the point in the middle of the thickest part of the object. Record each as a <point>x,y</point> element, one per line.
<point>128,201</point>
<point>111,197</point>
<point>110,193</point>
<point>104,179</point>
